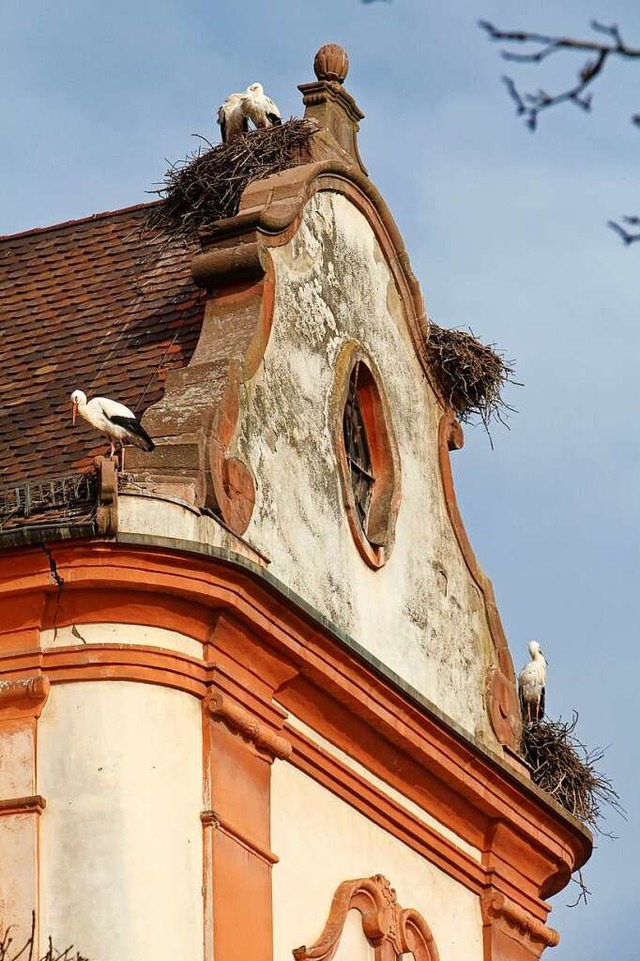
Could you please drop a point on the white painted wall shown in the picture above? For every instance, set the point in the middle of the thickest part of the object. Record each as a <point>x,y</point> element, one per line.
<point>334,285</point>
<point>120,765</point>
<point>391,792</point>
<point>18,874</point>
<point>321,841</point>
<point>17,768</point>
<point>72,635</point>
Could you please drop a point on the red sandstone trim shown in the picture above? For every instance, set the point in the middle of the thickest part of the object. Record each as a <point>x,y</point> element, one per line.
<point>258,643</point>
<point>210,818</point>
<point>34,804</point>
<point>365,797</point>
<point>393,931</point>
<point>504,709</point>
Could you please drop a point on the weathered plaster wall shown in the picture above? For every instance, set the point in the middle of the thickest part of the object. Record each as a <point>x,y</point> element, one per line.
<point>120,765</point>
<point>304,817</point>
<point>421,614</point>
<point>166,518</point>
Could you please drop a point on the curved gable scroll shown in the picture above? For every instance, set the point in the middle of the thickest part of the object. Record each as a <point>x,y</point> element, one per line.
<point>391,930</point>
<point>235,257</point>
<point>196,420</point>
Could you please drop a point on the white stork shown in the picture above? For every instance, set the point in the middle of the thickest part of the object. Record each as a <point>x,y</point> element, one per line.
<point>531,684</point>
<point>259,108</point>
<point>231,118</point>
<point>114,420</point>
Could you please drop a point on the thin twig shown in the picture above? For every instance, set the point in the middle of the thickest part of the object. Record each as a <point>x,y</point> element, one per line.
<point>530,105</point>
<point>625,235</point>
<point>584,892</point>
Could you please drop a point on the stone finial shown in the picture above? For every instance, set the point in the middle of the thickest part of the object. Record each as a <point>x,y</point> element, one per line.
<point>331,63</point>
<point>333,109</point>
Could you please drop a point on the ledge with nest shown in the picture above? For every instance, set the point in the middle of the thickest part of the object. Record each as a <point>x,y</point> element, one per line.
<point>208,184</point>
<point>566,769</point>
<point>470,374</point>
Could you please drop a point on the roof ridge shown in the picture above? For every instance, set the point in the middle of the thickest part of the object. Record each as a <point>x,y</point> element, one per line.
<point>103,214</point>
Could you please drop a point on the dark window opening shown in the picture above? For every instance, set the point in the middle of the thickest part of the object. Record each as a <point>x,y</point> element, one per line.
<point>357,449</point>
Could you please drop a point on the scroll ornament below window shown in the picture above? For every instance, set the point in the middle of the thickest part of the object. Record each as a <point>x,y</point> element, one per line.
<point>391,930</point>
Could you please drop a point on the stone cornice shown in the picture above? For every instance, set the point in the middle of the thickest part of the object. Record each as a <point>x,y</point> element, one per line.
<point>323,677</point>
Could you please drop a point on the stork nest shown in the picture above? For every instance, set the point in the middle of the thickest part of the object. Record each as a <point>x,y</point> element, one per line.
<point>564,767</point>
<point>470,374</point>
<point>208,184</point>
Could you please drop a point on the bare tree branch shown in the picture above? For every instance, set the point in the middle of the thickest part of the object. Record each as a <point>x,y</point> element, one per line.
<point>530,105</point>
<point>625,235</point>
<point>584,890</point>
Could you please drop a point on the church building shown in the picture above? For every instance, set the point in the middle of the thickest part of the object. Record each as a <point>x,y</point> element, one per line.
<point>256,700</point>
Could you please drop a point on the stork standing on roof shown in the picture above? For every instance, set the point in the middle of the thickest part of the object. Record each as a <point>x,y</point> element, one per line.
<point>232,120</point>
<point>531,685</point>
<point>114,420</point>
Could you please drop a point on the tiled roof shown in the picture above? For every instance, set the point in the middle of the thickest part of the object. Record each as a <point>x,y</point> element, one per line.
<point>102,304</point>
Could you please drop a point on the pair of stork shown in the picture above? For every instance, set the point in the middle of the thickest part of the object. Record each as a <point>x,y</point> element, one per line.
<point>240,108</point>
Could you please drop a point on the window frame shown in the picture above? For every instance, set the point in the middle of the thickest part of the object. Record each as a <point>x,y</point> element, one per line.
<point>374,535</point>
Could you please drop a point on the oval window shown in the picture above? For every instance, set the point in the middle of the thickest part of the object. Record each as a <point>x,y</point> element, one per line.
<point>367,456</point>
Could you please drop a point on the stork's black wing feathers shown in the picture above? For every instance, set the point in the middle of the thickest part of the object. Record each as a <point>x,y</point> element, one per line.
<point>274,119</point>
<point>541,705</point>
<point>139,436</point>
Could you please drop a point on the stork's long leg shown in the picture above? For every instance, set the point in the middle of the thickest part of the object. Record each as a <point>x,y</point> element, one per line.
<point>122,458</point>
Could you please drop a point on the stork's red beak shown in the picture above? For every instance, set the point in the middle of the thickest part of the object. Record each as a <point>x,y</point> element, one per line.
<point>74,414</point>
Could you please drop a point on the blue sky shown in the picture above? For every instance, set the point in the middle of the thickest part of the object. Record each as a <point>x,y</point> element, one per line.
<point>506,233</point>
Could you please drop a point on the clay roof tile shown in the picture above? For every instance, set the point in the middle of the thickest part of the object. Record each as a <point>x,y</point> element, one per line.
<point>103,304</point>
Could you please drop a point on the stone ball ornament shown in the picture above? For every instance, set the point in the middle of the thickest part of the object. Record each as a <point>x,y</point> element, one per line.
<point>331,63</point>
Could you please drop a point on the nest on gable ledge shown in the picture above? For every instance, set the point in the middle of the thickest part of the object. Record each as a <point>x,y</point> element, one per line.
<point>563,767</point>
<point>208,184</point>
<point>470,374</point>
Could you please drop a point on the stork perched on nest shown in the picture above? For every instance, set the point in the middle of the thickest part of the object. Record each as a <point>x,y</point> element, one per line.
<point>240,108</point>
<point>233,122</point>
<point>531,685</point>
<point>114,420</point>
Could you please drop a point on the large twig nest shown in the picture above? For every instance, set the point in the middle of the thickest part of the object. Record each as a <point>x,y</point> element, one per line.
<point>470,374</point>
<point>208,184</point>
<point>562,766</point>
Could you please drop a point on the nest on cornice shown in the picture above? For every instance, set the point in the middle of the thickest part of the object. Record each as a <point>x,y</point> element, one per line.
<point>470,374</point>
<point>208,184</point>
<point>566,769</point>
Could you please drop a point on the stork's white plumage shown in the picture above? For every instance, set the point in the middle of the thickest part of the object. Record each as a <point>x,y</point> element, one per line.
<point>531,684</point>
<point>114,420</point>
<point>232,120</point>
<point>259,108</point>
